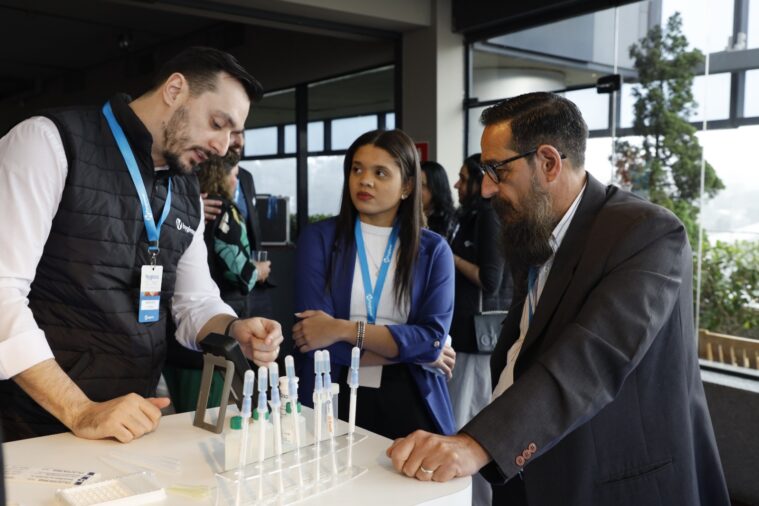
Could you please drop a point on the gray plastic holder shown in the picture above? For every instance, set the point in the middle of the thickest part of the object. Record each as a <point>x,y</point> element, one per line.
<point>210,363</point>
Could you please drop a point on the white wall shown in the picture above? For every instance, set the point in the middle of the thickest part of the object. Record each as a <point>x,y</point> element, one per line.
<point>433,88</point>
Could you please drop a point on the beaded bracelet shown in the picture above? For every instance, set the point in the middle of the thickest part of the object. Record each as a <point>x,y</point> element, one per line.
<point>361,334</point>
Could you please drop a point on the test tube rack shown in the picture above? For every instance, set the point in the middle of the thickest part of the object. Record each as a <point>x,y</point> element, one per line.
<point>303,473</point>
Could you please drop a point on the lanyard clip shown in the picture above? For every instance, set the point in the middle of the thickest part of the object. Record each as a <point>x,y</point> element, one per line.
<point>153,250</point>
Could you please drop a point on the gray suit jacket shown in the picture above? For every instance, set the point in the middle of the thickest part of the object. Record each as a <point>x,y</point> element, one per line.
<point>607,407</point>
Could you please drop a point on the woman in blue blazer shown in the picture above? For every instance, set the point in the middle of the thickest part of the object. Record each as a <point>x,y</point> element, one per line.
<point>343,300</point>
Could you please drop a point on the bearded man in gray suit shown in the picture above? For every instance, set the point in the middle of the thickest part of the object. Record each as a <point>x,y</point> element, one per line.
<point>598,397</point>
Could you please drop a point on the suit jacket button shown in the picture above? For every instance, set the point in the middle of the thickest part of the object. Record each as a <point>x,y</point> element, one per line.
<point>436,344</point>
<point>532,447</point>
<point>519,461</point>
<point>526,454</point>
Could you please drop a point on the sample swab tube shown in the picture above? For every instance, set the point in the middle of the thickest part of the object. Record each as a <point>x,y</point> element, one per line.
<point>318,395</point>
<point>318,391</point>
<point>247,392</point>
<point>261,411</point>
<point>327,371</point>
<point>292,382</point>
<point>353,384</point>
<point>275,404</point>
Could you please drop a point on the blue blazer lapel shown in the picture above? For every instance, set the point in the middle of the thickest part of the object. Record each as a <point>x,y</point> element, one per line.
<point>343,265</point>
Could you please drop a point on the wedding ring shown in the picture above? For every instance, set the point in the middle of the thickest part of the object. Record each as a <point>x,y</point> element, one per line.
<point>425,470</point>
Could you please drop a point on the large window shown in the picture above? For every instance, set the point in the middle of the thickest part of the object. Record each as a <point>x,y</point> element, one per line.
<point>708,24</point>
<point>275,177</point>
<point>337,111</point>
<point>346,107</point>
<point>751,104</point>
<point>569,57</point>
<point>753,24</point>
<point>325,179</point>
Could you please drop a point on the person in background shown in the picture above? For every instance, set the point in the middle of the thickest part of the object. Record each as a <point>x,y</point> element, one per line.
<point>107,214</point>
<point>483,282</point>
<point>229,249</point>
<point>598,397</point>
<point>244,197</point>
<point>373,277</point>
<point>437,201</point>
<point>232,269</point>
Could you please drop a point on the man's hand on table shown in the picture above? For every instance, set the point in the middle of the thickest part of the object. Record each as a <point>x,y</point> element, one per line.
<point>125,418</point>
<point>430,457</point>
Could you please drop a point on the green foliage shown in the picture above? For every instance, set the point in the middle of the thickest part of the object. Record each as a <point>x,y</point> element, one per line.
<point>730,288</point>
<point>664,165</point>
<point>313,218</point>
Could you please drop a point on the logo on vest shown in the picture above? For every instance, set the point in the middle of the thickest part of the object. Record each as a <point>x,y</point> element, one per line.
<point>184,228</point>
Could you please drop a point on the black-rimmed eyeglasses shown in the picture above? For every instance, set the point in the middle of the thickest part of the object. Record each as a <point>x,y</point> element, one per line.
<point>494,171</point>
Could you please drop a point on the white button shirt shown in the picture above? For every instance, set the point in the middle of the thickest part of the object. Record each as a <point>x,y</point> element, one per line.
<point>33,171</point>
<point>557,236</point>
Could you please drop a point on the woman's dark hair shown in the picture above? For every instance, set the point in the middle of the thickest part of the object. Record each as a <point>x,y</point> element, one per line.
<point>473,182</point>
<point>443,211</point>
<point>201,67</point>
<point>213,173</point>
<point>400,146</point>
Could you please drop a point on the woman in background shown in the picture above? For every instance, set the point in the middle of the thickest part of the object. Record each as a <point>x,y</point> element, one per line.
<point>231,267</point>
<point>229,251</point>
<point>372,277</point>
<point>437,201</point>
<point>481,273</point>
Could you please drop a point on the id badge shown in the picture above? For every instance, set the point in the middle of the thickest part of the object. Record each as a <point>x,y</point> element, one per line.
<point>150,293</point>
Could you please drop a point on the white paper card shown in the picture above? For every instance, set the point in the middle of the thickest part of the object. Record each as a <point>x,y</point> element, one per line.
<point>370,377</point>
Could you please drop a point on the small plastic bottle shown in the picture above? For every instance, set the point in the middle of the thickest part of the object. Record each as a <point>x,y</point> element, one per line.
<point>233,439</point>
<point>284,393</point>
<point>288,429</point>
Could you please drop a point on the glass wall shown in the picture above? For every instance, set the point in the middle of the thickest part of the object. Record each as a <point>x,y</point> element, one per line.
<point>346,107</point>
<point>707,149</point>
<point>753,24</point>
<point>337,111</point>
<point>276,177</point>
<point>325,181</point>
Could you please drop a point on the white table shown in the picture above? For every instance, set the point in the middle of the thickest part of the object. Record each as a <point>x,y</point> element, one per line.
<point>202,455</point>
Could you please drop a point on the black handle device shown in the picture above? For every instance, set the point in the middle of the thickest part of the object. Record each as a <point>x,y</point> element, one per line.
<point>229,349</point>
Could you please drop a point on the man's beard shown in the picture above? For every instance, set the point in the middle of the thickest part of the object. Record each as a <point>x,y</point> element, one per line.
<point>175,139</point>
<point>526,233</point>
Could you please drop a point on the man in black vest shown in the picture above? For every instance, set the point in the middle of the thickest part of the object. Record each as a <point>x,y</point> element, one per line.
<point>93,274</point>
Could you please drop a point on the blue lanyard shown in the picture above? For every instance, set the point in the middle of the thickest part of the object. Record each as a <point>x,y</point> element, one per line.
<point>153,231</point>
<point>372,297</point>
<point>532,295</point>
